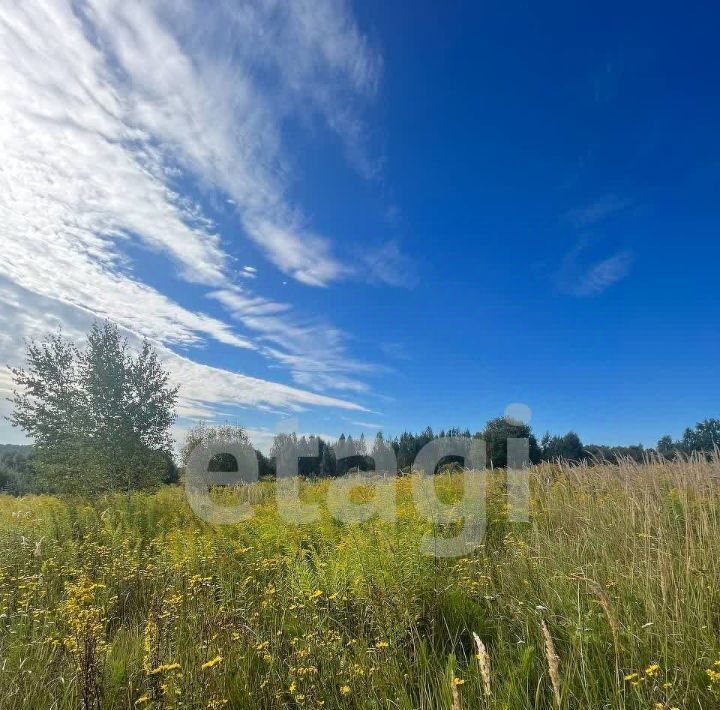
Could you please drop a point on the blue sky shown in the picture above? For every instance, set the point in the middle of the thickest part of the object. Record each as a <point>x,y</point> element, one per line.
<point>343,217</point>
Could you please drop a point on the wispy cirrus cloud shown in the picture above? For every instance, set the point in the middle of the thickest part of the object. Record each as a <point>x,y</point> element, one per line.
<point>314,352</point>
<point>389,265</point>
<point>604,274</point>
<point>77,185</point>
<point>372,426</point>
<point>596,211</point>
<point>206,392</point>
<point>582,275</point>
<point>204,103</point>
<point>211,386</point>
<point>115,114</point>
<point>585,271</point>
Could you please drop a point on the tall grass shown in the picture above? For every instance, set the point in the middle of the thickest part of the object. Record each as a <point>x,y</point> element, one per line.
<point>608,598</point>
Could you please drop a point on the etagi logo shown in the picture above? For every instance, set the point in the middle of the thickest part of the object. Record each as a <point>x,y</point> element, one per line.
<point>470,511</point>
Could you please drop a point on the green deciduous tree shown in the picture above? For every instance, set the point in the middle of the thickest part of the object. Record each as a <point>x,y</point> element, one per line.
<point>232,434</point>
<point>703,437</point>
<point>498,431</point>
<point>100,416</point>
<point>203,434</point>
<point>667,447</point>
<point>566,448</point>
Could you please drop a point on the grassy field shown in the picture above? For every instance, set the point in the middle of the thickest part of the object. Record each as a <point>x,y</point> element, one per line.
<point>609,597</point>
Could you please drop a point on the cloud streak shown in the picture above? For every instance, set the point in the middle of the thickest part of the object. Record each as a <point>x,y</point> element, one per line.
<point>582,277</point>
<point>314,352</point>
<point>206,392</point>
<point>218,122</point>
<point>114,116</point>
<point>604,274</point>
<point>597,211</point>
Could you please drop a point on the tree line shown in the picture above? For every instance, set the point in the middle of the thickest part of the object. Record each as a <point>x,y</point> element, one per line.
<point>320,458</point>
<point>100,419</point>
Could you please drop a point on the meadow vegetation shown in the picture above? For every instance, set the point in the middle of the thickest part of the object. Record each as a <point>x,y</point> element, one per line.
<point>608,598</point>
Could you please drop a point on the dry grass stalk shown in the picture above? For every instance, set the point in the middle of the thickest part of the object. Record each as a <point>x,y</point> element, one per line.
<point>606,604</point>
<point>484,662</point>
<point>553,662</point>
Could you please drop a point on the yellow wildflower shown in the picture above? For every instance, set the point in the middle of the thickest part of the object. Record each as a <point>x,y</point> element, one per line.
<point>165,668</point>
<point>652,670</point>
<point>713,675</point>
<point>345,690</point>
<point>212,662</point>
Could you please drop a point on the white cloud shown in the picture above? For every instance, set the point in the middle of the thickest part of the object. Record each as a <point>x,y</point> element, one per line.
<point>114,112</point>
<point>205,391</point>
<point>97,133</point>
<point>604,274</point>
<point>296,252</point>
<point>389,265</point>
<point>242,304</point>
<point>75,187</point>
<point>202,103</point>
<point>203,385</point>
<point>582,277</point>
<point>367,425</point>
<point>315,353</point>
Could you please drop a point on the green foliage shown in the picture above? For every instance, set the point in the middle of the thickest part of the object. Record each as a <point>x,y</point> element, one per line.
<point>316,458</point>
<point>704,438</point>
<point>614,454</point>
<point>408,445</point>
<point>132,601</point>
<point>203,434</point>
<point>498,431</point>
<point>565,448</point>
<point>15,468</point>
<point>100,417</point>
<point>666,447</point>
